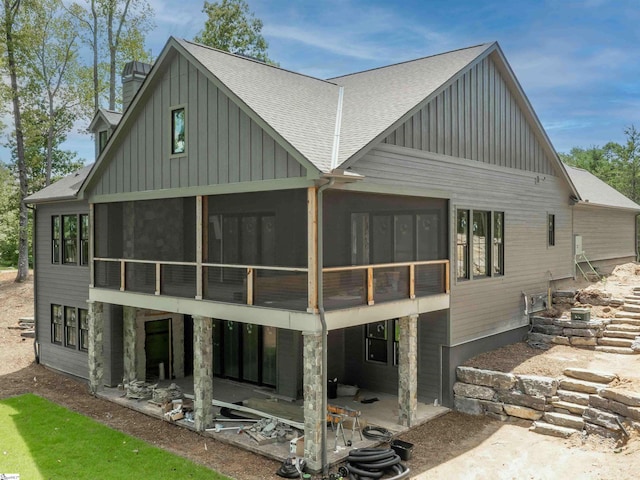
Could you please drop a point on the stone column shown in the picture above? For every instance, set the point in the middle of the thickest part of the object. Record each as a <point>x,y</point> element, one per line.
<point>408,371</point>
<point>129,315</point>
<point>202,371</point>
<point>96,346</point>
<point>314,417</point>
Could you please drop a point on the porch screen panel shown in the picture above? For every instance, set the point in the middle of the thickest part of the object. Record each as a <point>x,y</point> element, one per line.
<point>382,239</point>
<point>404,238</point>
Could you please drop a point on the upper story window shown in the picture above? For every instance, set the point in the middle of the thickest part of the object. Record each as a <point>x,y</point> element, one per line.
<point>479,244</point>
<point>551,228</point>
<point>70,239</point>
<point>103,136</point>
<point>178,131</point>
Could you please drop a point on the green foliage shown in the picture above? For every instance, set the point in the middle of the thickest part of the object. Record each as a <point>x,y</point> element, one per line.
<point>616,164</point>
<point>8,218</point>
<point>232,27</point>
<point>42,440</point>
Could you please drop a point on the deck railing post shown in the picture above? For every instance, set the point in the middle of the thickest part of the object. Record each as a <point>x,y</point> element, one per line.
<point>158,278</point>
<point>447,280</point>
<point>370,300</point>
<point>122,275</point>
<point>412,281</point>
<point>250,279</point>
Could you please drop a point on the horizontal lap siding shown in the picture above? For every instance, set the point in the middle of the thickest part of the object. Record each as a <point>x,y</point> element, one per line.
<point>65,285</point>
<point>223,144</point>
<point>487,306</point>
<point>606,233</point>
<point>478,118</point>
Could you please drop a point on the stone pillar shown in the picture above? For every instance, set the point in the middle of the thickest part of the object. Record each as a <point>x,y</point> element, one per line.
<point>96,346</point>
<point>129,315</point>
<point>408,371</point>
<point>177,336</point>
<point>202,371</point>
<point>314,416</point>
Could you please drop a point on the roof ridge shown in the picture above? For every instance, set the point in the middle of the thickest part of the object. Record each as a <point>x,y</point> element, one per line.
<point>487,44</point>
<point>259,62</point>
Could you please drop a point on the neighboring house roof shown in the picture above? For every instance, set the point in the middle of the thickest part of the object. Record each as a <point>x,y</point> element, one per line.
<point>593,191</point>
<point>110,117</point>
<point>66,188</point>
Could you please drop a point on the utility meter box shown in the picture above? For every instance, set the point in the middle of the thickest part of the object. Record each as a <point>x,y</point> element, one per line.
<point>580,314</point>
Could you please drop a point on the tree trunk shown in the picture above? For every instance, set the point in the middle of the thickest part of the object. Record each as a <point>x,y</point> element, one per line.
<point>10,11</point>
<point>112,60</point>
<point>96,82</point>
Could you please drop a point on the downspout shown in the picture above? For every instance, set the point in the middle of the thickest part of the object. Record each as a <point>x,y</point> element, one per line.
<point>323,321</point>
<point>36,344</point>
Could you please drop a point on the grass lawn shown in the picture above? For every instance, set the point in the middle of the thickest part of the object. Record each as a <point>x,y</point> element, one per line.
<point>42,440</point>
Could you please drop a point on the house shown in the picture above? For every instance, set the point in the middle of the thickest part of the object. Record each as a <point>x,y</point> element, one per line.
<point>261,225</point>
<point>604,223</point>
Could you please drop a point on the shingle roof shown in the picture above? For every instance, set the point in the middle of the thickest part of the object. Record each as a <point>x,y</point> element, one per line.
<point>304,109</point>
<point>594,191</point>
<point>300,108</point>
<point>112,117</point>
<point>66,188</point>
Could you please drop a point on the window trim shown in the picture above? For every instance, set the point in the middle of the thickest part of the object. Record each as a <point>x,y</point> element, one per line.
<point>82,241</point>
<point>103,139</point>
<point>68,332</point>
<point>58,244</point>
<point>57,326</point>
<point>490,243</point>
<point>81,329</point>
<point>172,152</point>
<point>551,229</point>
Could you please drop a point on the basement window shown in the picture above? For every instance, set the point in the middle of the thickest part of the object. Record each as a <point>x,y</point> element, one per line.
<point>178,131</point>
<point>70,327</point>
<point>83,315</point>
<point>56,324</point>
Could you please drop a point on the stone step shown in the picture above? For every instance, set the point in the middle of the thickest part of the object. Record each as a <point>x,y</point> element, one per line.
<point>631,315</point>
<point>545,428</point>
<point>619,350</point>
<point>632,299</point>
<point>623,327</point>
<point>631,307</point>
<point>615,342</point>
<point>620,334</point>
<point>597,376</point>
<point>582,386</point>
<point>578,398</point>
<point>569,407</point>
<point>564,420</point>
<point>625,320</point>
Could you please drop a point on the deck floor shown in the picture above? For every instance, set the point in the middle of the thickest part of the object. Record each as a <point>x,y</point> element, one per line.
<point>382,413</point>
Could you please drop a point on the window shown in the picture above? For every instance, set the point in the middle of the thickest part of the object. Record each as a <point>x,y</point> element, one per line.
<point>55,239</point>
<point>70,327</point>
<point>498,243</point>
<point>479,249</point>
<point>83,315</point>
<point>462,244</point>
<point>84,239</point>
<point>551,221</point>
<point>178,134</point>
<point>481,237</point>
<point>56,324</point>
<point>70,238</point>
<point>102,140</point>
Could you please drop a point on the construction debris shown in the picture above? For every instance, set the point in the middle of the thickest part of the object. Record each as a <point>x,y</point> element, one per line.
<point>164,395</point>
<point>139,390</point>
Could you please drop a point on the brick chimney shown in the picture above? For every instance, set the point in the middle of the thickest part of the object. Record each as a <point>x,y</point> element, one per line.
<point>133,75</point>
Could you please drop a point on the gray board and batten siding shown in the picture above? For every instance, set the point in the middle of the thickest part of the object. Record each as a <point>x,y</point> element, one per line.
<point>59,284</point>
<point>224,145</point>
<point>607,233</point>
<point>479,118</point>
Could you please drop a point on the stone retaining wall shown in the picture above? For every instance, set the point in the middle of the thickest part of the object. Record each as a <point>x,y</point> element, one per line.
<point>504,395</point>
<point>564,331</point>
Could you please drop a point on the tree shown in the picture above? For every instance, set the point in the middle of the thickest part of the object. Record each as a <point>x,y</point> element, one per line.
<point>230,26</point>
<point>626,159</point>
<point>54,91</point>
<point>9,223</point>
<point>11,26</point>
<point>114,30</point>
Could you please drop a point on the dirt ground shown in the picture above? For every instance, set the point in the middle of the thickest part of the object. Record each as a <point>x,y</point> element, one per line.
<point>452,446</point>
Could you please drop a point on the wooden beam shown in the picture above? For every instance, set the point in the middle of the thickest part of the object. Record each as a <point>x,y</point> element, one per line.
<point>92,268</point>
<point>250,279</point>
<point>412,281</point>
<point>312,250</point>
<point>370,300</point>
<point>199,247</point>
<point>122,275</point>
<point>447,280</point>
<point>158,278</point>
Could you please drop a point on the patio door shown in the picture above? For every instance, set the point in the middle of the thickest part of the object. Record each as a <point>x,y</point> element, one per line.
<point>157,347</point>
